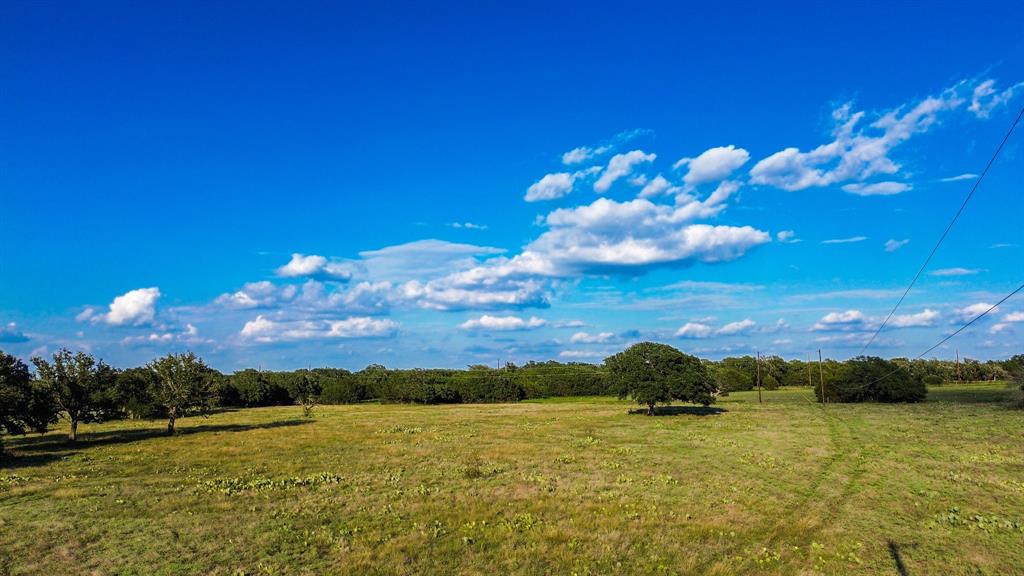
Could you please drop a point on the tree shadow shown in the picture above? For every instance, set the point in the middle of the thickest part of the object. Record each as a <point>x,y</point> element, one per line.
<point>682,410</point>
<point>38,450</point>
<point>894,551</point>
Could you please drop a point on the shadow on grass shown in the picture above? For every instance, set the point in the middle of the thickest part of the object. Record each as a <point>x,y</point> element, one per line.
<point>966,395</point>
<point>681,411</point>
<point>38,450</point>
<point>894,551</point>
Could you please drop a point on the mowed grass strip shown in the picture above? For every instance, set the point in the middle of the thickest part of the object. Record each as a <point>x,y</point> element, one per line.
<point>547,487</point>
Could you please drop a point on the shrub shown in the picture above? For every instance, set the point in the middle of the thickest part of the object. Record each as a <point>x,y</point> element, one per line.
<point>932,380</point>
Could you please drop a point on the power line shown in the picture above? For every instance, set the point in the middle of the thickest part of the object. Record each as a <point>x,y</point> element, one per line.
<point>946,339</point>
<point>946,231</point>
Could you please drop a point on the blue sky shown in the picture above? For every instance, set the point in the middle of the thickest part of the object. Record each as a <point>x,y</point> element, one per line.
<point>444,185</point>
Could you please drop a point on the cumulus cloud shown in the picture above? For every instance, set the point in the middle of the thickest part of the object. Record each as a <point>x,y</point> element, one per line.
<point>893,245</point>
<point>583,153</point>
<point>740,327</point>
<point>502,323</point>
<point>133,308</point>
<point>712,165</point>
<point>11,334</point>
<point>856,152</point>
<point>587,338</point>
<point>314,266</point>
<point>876,188</point>
<point>855,320</point>
<point>265,330</point>
<point>657,186</point>
<point>849,319</point>
<point>972,311</point>
<point>694,330</point>
<point>619,166</point>
<point>926,317</point>
<point>579,354</point>
<point>557,185</point>
<point>956,271</point>
<point>787,237</point>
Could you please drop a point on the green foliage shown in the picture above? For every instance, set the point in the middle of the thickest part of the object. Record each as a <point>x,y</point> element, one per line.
<point>341,386</point>
<point>24,405</point>
<point>932,380</point>
<point>651,374</point>
<point>868,378</point>
<point>82,388</point>
<point>183,385</point>
<point>305,387</point>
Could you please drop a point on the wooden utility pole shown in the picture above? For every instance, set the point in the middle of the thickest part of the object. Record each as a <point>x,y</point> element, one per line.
<point>759,378</point>
<point>821,374</point>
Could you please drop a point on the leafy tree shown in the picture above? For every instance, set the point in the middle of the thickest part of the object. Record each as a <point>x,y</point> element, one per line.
<point>81,387</point>
<point>869,378</point>
<point>306,390</point>
<point>23,404</point>
<point>134,393</point>
<point>183,385</point>
<point>653,373</point>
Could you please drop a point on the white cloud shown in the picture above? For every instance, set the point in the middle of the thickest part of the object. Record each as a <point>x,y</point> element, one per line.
<point>856,152</point>
<point>893,245</point>
<point>11,334</point>
<point>262,329</point>
<point>502,323</point>
<point>261,294</point>
<point>583,153</point>
<point>1014,317</point>
<point>964,176</point>
<point>850,240</point>
<point>135,308</point>
<point>974,310</point>
<point>549,187</point>
<point>468,226</point>
<point>361,327</point>
<point>850,319</point>
<point>787,237</point>
<point>657,186</point>
<point>957,271</point>
<point>712,165</point>
<point>579,354</point>
<point>926,317</point>
<point>694,330</point>
<point>557,185</point>
<point>876,188</point>
<point>586,338</point>
<point>619,166</point>
<point>986,98</point>
<point>740,327</point>
<point>314,266</point>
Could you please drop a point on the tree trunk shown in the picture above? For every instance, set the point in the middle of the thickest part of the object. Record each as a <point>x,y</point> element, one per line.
<point>73,434</point>
<point>170,425</point>
<point>650,409</point>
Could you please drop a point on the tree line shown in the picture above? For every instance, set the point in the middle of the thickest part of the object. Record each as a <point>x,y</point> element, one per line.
<point>82,389</point>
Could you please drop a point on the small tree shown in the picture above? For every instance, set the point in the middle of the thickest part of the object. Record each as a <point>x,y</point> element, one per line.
<point>652,373</point>
<point>80,386</point>
<point>306,390</point>
<point>23,404</point>
<point>182,385</point>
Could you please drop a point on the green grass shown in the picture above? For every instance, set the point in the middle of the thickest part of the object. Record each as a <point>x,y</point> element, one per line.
<point>550,487</point>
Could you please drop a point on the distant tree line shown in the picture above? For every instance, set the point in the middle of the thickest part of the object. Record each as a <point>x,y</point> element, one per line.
<point>82,389</point>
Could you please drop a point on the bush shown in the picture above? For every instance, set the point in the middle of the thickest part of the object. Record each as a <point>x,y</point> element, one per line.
<point>868,378</point>
<point>341,387</point>
<point>932,380</point>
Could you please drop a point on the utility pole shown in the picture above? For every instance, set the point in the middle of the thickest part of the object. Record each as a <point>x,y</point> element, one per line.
<point>759,377</point>
<point>821,374</point>
<point>959,379</point>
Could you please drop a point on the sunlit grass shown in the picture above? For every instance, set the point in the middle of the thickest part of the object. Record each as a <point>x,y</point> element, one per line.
<point>546,487</point>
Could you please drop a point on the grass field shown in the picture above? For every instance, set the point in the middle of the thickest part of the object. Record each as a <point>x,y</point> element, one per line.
<point>551,487</point>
